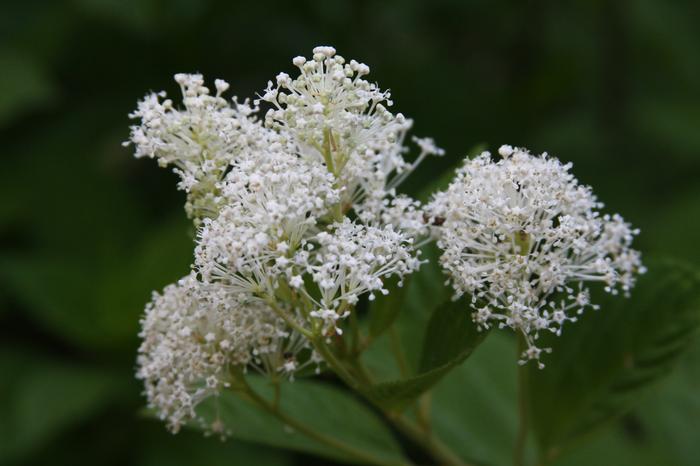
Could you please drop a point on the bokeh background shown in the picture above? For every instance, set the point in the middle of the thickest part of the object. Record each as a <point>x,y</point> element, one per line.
<point>86,231</point>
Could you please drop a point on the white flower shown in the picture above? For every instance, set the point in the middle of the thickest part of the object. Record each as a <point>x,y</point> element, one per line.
<point>273,203</point>
<point>353,259</point>
<point>518,232</point>
<point>329,115</point>
<point>199,141</point>
<point>399,211</point>
<point>333,116</point>
<point>192,334</point>
<point>329,319</point>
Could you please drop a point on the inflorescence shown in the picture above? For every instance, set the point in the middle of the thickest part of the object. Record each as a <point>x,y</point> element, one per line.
<point>298,217</point>
<point>521,236</point>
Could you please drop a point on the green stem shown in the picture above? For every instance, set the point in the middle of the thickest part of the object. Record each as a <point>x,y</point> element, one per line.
<point>289,320</point>
<point>522,241</point>
<point>335,364</point>
<point>327,151</point>
<point>423,412</point>
<point>358,454</point>
<point>523,410</point>
<point>431,444</point>
<point>355,333</point>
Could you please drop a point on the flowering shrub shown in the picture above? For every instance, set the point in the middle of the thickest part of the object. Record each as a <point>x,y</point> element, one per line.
<point>300,225</point>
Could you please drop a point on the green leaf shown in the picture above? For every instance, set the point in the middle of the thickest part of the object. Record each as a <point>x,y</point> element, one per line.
<point>443,329</point>
<point>326,410</point>
<point>42,397</point>
<point>668,417</point>
<point>450,338</point>
<point>601,364</point>
<point>385,309</point>
<point>617,447</point>
<point>474,408</point>
<point>425,292</point>
<point>418,298</point>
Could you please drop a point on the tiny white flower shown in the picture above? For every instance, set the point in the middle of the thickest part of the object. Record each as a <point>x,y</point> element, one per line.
<point>505,150</point>
<point>296,281</point>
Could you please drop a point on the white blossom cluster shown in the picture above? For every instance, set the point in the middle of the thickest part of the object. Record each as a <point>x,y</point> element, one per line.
<point>279,239</point>
<point>192,334</point>
<point>352,259</point>
<point>199,141</point>
<point>272,205</point>
<point>522,237</point>
<point>297,217</point>
<point>335,116</point>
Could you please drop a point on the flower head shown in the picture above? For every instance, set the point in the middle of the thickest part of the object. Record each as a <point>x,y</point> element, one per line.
<point>334,116</point>
<point>194,333</point>
<point>354,259</point>
<point>200,140</point>
<point>273,204</point>
<point>523,237</point>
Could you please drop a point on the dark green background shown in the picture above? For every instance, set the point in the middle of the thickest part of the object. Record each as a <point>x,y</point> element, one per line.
<point>86,231</point>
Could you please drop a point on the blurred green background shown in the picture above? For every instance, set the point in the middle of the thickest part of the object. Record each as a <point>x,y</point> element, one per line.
<point>87,232</point>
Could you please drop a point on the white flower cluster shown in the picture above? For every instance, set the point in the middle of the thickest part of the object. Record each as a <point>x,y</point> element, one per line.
<point>272,205</point>
<point>193,333</point>
<point>297,218</point>
<point>275,241</point>
<point>522,236</point>
<point>199,141</point>
<point>351,260</point>
<point>335,116</point>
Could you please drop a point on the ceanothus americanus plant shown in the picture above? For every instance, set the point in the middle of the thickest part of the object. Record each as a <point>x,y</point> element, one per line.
<point>298,223</point>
